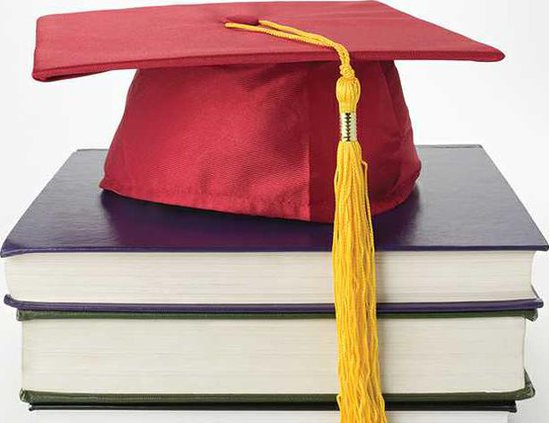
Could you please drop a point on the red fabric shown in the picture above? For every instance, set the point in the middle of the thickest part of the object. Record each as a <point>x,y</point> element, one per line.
<point>256,133</point>
<point>257,139</point>
<point>194,35</point>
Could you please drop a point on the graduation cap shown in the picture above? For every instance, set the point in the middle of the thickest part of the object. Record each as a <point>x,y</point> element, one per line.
<point>238,107</point>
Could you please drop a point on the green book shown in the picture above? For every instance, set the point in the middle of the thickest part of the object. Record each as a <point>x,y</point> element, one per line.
<point>124,359</point>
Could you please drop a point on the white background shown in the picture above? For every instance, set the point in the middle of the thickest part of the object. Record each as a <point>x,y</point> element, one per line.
<point>503,106</point>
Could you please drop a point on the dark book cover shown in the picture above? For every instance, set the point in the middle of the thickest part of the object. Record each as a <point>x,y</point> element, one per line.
<point>503,406</point>
<point>40,400</point>
<point>528,304</point>
<point>461,202</point>
<point>22,315</point>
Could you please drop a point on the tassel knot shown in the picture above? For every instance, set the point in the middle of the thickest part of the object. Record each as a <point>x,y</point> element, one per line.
<point>346,70</point>
<point>347,93</point>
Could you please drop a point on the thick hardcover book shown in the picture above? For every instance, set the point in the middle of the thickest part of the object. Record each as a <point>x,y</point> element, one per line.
<point>461,210</point>
<point>264,358</point>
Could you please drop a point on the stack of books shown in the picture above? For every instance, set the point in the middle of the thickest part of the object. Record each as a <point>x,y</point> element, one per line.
<point>131,304</point>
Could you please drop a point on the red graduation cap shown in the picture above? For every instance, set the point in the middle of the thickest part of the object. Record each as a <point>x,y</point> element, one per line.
<point>236,122</point>
<point>218,117</point>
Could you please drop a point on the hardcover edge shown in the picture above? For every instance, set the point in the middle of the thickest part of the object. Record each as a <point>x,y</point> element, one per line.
<point>22,316</point>
<point>503,406</point>
<point>382,308</point>
<point>42,398</point>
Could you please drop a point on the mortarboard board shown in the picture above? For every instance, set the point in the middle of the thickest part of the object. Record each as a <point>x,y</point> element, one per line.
<point>231,121</point>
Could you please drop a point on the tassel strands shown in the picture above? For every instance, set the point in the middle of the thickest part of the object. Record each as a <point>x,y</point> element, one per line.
<point>360,399</point>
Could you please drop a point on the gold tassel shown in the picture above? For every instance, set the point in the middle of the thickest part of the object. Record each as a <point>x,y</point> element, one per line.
<point>360,399</point>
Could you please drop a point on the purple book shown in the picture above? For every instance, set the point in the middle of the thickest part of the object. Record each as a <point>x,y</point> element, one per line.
<point>462,203</point>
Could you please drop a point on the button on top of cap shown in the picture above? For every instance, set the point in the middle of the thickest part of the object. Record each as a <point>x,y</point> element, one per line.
<point>242,19</point>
